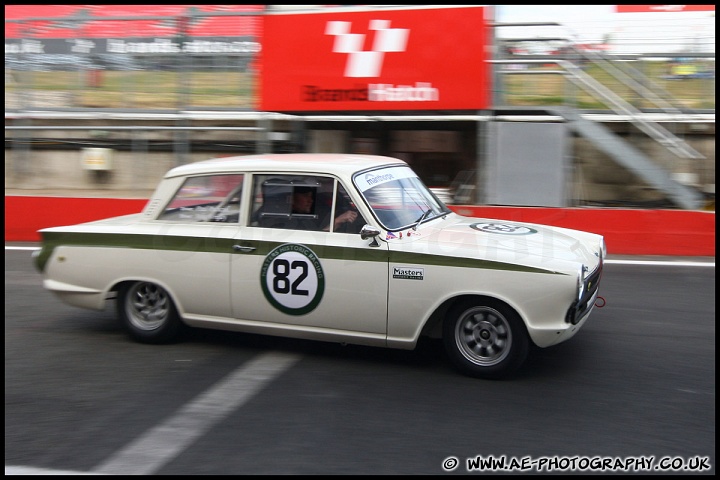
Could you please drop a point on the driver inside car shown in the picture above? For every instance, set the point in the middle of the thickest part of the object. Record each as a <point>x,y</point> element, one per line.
<point>303,203</point>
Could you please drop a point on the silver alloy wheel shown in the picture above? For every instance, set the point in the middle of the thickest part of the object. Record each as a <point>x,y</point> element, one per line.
<point>147,306</point>
<point>483,336</point>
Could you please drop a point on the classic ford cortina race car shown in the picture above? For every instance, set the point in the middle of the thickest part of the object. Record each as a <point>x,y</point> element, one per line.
<point>334,247</point>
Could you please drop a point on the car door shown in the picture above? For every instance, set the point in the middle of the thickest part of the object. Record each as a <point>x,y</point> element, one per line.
<point>192,239</point>
<point>288,273</point>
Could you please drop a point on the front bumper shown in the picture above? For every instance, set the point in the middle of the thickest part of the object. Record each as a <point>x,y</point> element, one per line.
<point>581,307</point>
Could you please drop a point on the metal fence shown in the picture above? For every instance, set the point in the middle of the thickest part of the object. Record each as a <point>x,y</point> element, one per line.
<point>529,76</point>
<point>194,60</point>
<point>197,59</point>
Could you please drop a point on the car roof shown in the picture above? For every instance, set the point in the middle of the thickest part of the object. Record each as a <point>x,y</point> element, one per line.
<point>342,164</point>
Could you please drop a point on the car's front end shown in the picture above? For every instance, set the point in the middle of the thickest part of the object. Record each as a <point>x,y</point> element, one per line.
<point>490,286</point>
<point>549,276</point>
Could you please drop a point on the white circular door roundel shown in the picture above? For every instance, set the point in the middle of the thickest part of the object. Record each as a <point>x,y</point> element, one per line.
<point>292,279</point>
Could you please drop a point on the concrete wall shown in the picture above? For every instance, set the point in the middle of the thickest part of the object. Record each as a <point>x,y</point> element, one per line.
<point>595,179</point>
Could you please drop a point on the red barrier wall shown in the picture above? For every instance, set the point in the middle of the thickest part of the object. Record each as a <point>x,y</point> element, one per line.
<point>627,232</point>
<point>24,216</point>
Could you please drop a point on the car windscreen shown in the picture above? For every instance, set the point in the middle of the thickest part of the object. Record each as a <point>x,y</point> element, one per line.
<point>397,197</point>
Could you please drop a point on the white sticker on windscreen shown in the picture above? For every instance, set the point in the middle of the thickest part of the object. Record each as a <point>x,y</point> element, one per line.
<point>378,177</point>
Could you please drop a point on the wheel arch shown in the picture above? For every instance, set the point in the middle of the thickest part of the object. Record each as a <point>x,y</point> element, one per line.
<point>119,284</point>
<point>433,327</point>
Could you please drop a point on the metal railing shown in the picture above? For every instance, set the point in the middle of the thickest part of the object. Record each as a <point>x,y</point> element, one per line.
<point>159,65</point>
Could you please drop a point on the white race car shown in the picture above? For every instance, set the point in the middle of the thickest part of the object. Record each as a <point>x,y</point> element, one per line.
<point>334,247</point>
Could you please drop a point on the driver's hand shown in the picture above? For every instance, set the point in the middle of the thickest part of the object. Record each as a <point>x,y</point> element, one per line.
<point>348,217</point>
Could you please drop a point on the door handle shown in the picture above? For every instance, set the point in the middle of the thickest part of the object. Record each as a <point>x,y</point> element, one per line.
<point>240,248</point>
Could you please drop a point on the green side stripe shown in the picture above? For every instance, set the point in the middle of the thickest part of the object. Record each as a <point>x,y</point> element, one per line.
<point>429,259</point>
<point>51,240</point>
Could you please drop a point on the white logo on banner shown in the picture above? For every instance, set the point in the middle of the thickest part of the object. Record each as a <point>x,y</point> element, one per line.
<point>668,8</point>
<point>366,63</point>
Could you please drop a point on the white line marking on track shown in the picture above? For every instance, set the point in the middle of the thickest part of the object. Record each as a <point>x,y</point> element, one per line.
<point>161,444</point>
<point>10,470</point>
<point>667,263</point>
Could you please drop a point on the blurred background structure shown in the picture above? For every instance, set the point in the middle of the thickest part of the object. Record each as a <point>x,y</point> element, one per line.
<point>109,97</point>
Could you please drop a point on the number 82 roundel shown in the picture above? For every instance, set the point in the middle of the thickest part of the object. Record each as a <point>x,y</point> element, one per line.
<point>292,279</point>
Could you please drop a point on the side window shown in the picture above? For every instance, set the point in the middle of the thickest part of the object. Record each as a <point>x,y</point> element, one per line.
<point>297,202</point>
<point>347,217</point>
<point>208,198</point>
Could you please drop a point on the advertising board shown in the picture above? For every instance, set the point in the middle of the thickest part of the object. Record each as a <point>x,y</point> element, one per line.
<point>391,59</point>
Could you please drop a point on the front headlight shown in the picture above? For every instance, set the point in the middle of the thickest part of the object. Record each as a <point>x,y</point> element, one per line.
<point>587,287</point>
<point>581,281</point>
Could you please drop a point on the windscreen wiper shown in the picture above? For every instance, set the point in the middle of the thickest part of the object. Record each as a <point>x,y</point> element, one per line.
<point>424,216</point>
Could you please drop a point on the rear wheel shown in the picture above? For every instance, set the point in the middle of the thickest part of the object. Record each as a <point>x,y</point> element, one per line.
<point>148,313</point>
<point>485,338</point>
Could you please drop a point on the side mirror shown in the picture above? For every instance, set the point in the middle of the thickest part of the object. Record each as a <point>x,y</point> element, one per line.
<point>368,231</point>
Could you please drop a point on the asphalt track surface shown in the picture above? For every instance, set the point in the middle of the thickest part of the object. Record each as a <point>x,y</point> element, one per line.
<point>632,392</point>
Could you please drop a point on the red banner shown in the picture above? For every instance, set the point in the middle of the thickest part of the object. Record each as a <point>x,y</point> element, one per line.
<point>663,8</point>
<point>389,59</point>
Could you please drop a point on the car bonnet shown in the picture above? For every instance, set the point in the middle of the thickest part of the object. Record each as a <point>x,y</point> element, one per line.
<point>509,241</point>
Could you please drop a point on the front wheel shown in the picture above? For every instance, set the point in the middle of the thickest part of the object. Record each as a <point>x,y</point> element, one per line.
<point>148,313</point>
<point>485,338</point>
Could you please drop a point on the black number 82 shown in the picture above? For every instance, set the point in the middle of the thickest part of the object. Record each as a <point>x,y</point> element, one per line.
<point>281,283</point>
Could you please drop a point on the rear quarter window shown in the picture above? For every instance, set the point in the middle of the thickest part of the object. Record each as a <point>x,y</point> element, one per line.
<point>208,198</point>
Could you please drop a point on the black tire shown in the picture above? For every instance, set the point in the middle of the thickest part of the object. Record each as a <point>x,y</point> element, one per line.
<point>485,338</point>
<point>148,313</point>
